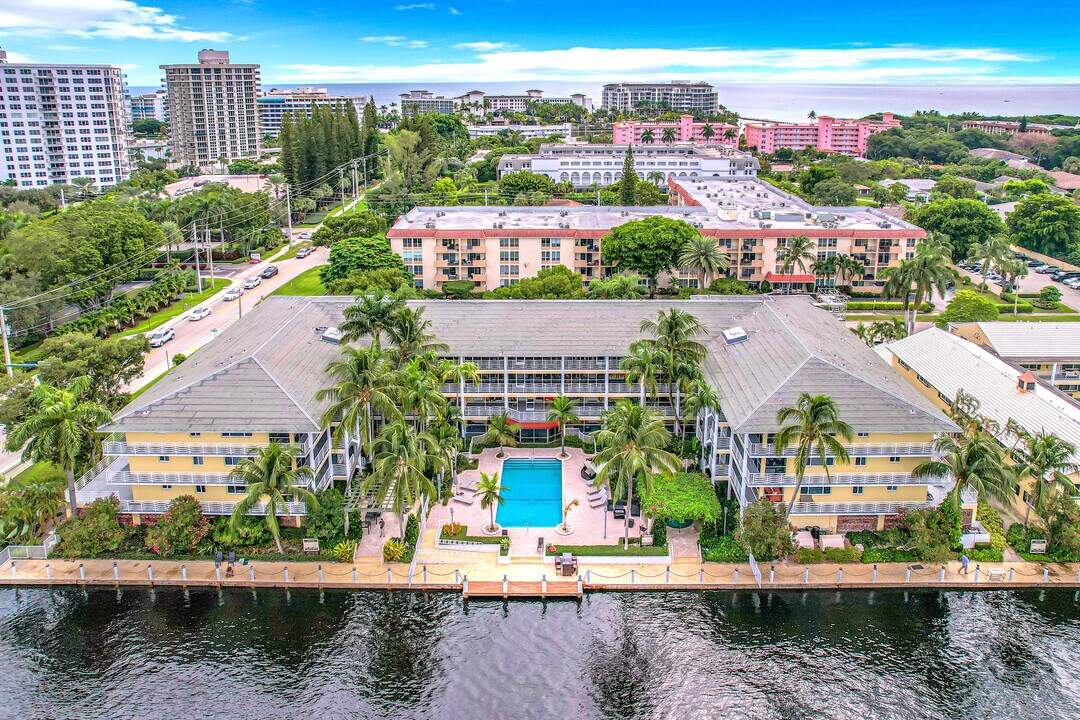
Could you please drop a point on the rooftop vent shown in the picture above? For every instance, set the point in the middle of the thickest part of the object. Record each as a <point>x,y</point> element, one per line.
<point>1026,382</point>
<point>332,335</point>
<point>735,335</point>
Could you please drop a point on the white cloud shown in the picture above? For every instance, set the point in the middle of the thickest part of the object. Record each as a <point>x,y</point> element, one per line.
<point>416,6</point>
<point>895,64</point>
<point>453,11</point>
<point>112,19</point>
<point>484,46</point>
<point>395,41</point>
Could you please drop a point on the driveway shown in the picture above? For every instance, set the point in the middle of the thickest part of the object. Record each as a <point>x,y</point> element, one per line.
<point>1033,283</point>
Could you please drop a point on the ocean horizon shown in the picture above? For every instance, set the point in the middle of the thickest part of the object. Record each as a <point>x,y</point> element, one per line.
<point>777,101</point>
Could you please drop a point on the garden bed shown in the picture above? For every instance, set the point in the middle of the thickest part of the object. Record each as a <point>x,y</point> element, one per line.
<point>607,551</point>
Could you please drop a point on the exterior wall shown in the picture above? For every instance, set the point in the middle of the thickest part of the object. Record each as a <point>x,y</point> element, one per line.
<point>679,97</point>
<point>527,131</point>
<point>1064,374</point>
<point>686,130</point>
<point>829,134</point>
<point>274,106</point>
<point>66,121</point>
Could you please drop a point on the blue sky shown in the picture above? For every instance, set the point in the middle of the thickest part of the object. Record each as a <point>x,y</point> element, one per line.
<point>406,41</point>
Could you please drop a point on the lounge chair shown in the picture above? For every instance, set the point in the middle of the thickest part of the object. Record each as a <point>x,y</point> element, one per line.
<point>462,499</point>
<point>597,492</point>
<point>597,502</point>
<point>804,539</point>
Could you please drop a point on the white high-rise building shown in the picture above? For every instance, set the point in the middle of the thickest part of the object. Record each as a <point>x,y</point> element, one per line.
<point>60,122</point>
<point>212,108</point>
<point>275,103</point>
<point>150,106</point>
<point>677,96</point>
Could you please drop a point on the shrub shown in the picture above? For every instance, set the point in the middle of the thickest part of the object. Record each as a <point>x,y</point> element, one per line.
<point>344,551</point>
<point>394,550</point>
<point>725,549</point>
<point>659,532</point>
<point>843,555</point>
<point>178,358</point>
<point>809,555</point>
<point>764,530</point>
<point>95,531</point>
<point>180,529</point>
<point>1017,538</point>
<point>985,555</point>
<point>889,554</point>
<point>327,521</point>
<point>708,537</point>
<point>887,305</point>
<point>412,530</point>
<point>730,286</point>
<point>1050,294</point>
<point>247,533</point>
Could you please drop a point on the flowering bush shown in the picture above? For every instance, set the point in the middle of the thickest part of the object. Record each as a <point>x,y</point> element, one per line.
<point>394,550</point>
<point>180,529</point>
<point>95,531</point>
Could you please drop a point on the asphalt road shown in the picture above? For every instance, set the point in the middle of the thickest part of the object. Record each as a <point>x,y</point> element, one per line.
<point>191,335</point>
<point>1033,283</point>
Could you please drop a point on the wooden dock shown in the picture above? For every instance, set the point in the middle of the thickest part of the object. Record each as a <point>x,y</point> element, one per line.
<point>521,589</point>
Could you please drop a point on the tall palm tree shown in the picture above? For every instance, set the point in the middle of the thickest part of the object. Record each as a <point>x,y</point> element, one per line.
<point>656,176</point>
<point>271,477</point>
<point>84,184</point>
<point>668,135</point>
<point>500,431</point>
<point>647,136</point>
<point>488,490</point>
<point>800,252</point>
<point>562,412</point>
<point>421,396</point>
<point>703,255</point>
<point>811,425</point>
<point>60,428</point>
<point>275,182</point>
<point>811,116</point>
<point>1048,460</point>
<point>632,441</point>
<point>448,440</point>
<point>848,268</point>
<point>825,268</point>
<point>707,132</point>
<point>365,386</point>
<point>404,460</point>
<point>731,133</point>
<point>643,365</point>
<point>372,314</point>
<point>916,279</point>
<point>973,459</point>
<point>991,253</point>
<point>411,335</point>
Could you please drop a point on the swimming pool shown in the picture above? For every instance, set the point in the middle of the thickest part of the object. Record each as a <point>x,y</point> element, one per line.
<point>533,497</point>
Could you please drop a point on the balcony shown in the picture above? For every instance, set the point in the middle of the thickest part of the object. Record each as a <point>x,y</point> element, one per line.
<point>855,450</point>
<point>209,508</point>
<point>857,508</point>
<point>167,449</point>
<point>840,480</point>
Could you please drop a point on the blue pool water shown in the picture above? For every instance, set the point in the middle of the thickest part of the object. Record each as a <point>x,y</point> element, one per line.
<point>533,496</point>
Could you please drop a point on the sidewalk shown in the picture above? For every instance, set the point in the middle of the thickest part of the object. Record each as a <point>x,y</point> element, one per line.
<point>371,573</point>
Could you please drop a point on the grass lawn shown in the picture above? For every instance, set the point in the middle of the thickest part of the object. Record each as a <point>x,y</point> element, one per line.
<point>306,283</point>
<point>38,468</point>
<point>463,535</point>
<point>177,308</point>
<point>606,550</point>
<point>290,252</point>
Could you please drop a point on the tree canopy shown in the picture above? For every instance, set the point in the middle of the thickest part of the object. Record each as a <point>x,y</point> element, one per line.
<point>963,221</point>
<point>968,306</point>
<point>1047,224</point>
<point>682,496</point>
<point>352,254</point>
<point>364,223</point>
<point>651,246</point>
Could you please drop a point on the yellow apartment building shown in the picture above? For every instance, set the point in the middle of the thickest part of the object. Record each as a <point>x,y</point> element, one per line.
<point>1050,350</point>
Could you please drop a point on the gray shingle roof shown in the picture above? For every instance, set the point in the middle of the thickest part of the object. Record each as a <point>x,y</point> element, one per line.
<point>262,373</point>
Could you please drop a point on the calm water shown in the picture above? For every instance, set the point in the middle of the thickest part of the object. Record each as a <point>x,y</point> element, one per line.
<point>533,497</point>
<point>175,654</point>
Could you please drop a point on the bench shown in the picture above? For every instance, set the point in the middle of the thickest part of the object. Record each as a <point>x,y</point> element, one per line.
<point>996,574</point>
<point>311,545</point>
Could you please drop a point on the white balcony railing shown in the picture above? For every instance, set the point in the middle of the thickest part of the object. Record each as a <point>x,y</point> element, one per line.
<point>210,508</point>
<point>854,450</point>
<point>857,508</point>
<point>840,479</point>
<point>168,449</point>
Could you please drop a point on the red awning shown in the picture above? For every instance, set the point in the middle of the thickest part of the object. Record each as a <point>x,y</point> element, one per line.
<point>535,425</point>
<point>777,277</point>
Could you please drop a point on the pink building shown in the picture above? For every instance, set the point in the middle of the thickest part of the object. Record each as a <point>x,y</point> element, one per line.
<point>686,130</point>
<point>829,134</point>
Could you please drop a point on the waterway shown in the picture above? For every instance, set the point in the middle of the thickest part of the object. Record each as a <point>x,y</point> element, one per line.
<point>170,653</point>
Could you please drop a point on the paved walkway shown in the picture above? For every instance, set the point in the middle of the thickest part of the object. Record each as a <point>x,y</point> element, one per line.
<point>526,573</point>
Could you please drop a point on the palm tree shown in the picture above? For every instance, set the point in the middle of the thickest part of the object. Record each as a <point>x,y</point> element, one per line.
<point>930,269</point>
<point>656,176</point>
<point>731,133</point>
<point>409,331</point>
<point>31,503</point>
<point>562,412</point>
<point>800,251</point>
<point>1049,461</point>
<point>811,116</point>
<point>848,268</point>
<point>487,489</point>
<point>372,314</point>
<point>59,428</point>
<point>84,184</point>
<point>404,458</point>
<point>668,135</point>
<point>991,253</point>
<point>420,396</point>
<point>366,385</point>
<point>973,460</point>
<point>566,512</point>
<point>643,364</point>
<point>811,425</point>
<point>275,182</point>
<point>707,132</point>
<point>500,431</point>
<point>632,439</point>
<point>271,477</point>
<point>647,136</point>
<point>825,268</point>
<point>703,254</point>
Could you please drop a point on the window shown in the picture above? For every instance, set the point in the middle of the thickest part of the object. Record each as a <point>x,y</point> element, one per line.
<point>816,461</point>
<point>163,458</point>
<point>235,435</point>
<point>194,434</point>
<point>864,434</point>
<point>894,459</point>
<point>891,488</point>
<point>816,490</point>
<point>860,461</point>
<point>232,461</point>
<point>166,487</point>
<point>196,460</point>
<point>412,242</point>
<point>200,488</point>
<point>236,489</point>
<point>856,489</point>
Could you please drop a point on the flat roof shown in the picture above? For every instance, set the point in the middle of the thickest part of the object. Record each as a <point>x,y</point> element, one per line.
<point>950,364</point>
<point>1036,341</point>
<point>262,373</point>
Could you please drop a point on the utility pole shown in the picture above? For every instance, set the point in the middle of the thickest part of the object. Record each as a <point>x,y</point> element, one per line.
<point>240,303</point>
<point>341,184</point>
<point>210,255</point>
<point>7,350</point>
<point>355,182</point>
<point>63,198</point>
<point>195,239</point>
<point>365,171</point>
<point>288,212</point>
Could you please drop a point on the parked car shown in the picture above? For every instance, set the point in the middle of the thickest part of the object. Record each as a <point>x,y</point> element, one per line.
<point>199,313</point>
<point>304,236</point>
<point>200,183</point>
<point>1034,263</point>
<point>1047,269</point>
<point>269,272</point>
<point>233,293</point>
<point>1074,283</point>
<point>304,252</point>
<point>160,337</point>
<point>1063,275</point>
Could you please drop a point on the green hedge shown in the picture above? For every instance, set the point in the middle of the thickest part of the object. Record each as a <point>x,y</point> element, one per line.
<point>886,305</point>
<point>888,554</point>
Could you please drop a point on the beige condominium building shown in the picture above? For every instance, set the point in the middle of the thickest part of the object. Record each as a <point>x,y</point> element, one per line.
<point>751,220</point>
<point>256,384</point>
<point>1050,350</point>
<point>941,365</point>
<point>213,109</point>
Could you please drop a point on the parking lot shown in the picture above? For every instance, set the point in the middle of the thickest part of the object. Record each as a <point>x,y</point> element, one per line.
<point>247,183</point>
<point>1033,283</point>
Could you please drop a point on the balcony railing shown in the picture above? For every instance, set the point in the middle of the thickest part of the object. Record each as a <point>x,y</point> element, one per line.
<point>210,508</point>
<point>127,477</point>
<point>857,508</point>
<point>167,449</point>
<point>854,450</point>
<point>841,479</point>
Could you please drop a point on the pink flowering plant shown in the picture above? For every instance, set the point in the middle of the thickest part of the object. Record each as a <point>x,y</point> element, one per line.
<point>95,531</point>
<point>179,529</point>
